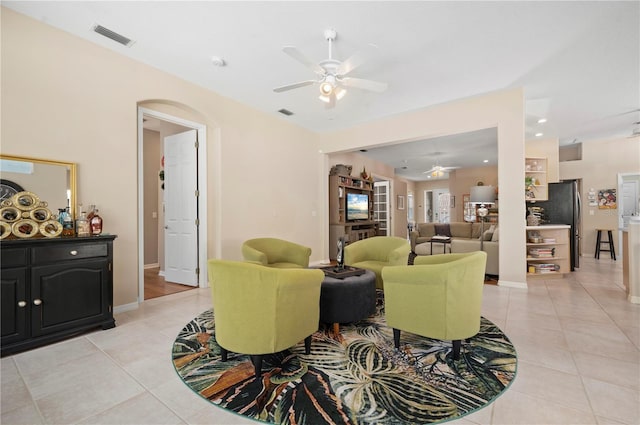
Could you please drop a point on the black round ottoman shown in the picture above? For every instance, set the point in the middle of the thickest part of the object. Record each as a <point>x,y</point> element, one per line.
<point>347,300</point>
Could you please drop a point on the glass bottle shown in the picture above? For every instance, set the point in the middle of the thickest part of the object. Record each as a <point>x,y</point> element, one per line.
<point>90,212</point>
<point>96,224</point>
<point>61,216</point>
<point>83,228</point>
<point>67,224</point>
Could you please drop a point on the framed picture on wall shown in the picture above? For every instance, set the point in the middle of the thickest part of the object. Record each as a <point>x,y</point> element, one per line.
<point>400,202</point>
<point>607,199</point>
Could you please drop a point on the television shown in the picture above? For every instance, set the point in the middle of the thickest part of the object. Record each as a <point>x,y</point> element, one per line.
<point>357,206</point>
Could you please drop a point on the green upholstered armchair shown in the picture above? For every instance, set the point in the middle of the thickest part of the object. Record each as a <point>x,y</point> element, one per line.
<point>261,310</point>
<point>377,252</point>
<point>439,297</point>
<point>273,252</point>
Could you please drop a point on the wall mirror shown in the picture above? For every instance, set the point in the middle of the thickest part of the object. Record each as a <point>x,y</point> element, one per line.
<point>52,181</point>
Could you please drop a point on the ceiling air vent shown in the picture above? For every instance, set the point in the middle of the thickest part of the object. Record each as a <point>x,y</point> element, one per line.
<point>285,112</point>
<point>113,35</point>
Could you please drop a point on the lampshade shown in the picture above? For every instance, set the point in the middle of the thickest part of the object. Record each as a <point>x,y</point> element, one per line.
<point>482,195</point>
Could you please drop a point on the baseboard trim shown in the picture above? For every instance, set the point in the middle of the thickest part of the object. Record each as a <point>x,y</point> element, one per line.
<point>152,266</point>
<point>510,284</point>
<point>633,299</point>
<point>125,307</point>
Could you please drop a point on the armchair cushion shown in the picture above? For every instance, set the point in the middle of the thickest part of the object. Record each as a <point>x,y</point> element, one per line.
<point>273,252</point>
<point>377,252</point>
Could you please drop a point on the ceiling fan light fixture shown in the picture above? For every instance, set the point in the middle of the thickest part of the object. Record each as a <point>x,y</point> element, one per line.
<point>325,99</point>
<point>340,92</point>
<point>326,88</point>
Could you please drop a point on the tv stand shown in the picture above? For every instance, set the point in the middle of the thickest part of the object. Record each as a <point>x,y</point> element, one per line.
<point>352,231</point>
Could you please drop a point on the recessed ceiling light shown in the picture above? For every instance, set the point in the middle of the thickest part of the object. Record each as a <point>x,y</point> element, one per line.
<point>485,161</point>
<point>363,150</point>
<point>539,134</point>
<point>217,61</point>
<point>542,120</point>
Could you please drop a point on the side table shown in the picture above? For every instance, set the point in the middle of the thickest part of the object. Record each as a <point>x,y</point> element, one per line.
<point>443,241</point>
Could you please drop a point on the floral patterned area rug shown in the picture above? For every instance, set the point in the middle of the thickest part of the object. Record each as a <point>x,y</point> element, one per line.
<point>355,378</point>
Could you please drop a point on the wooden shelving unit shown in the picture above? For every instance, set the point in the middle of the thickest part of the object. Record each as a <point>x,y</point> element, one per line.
<point>536,170</point>
<point>339,186</point>
<point>554,238</point>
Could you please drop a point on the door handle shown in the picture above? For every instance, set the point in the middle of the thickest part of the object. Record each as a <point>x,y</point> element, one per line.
<point>22,303</point>
<point>166,227</point>
<point>37,301</point>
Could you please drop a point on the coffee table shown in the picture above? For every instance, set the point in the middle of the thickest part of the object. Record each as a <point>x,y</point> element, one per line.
<point>348,299</point>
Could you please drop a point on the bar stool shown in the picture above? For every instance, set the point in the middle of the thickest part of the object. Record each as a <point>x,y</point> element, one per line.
<point>611,250</point>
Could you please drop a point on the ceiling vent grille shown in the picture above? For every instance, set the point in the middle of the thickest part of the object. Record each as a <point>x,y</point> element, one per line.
<point>106,32</point>
<point>285,112</point>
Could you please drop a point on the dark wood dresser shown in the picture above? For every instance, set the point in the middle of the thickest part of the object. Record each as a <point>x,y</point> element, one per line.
<point>54,288</point>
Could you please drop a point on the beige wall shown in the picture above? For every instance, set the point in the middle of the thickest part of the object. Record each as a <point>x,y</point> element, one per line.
<point>85,98</point>
<point>265,176</point>
<point>601,162</point>
<point>152,167</point>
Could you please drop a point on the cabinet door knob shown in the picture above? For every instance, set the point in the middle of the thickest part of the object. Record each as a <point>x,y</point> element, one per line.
<point>74,252</point>
<point>37,301</point>
<point>22,303</point>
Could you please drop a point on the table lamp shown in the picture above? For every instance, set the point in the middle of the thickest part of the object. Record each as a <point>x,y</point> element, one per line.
<point>483,196</point>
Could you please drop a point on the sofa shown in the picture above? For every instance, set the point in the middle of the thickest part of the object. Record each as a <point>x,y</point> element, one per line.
<point>465,237</point>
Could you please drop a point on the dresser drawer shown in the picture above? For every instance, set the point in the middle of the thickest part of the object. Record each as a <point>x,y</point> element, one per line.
<point>47,254</point>
<point>13,257</point>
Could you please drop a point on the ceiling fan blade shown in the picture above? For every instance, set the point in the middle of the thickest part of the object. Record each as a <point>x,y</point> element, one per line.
<point>351,63</point>
<point>360,83</point>
<point>294,86</point>
<point>300,57</point>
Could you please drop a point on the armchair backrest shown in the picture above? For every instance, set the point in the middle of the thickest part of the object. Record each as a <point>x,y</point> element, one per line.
<point>261,310</point>
<point>377,248</point>
<point>268,251</point>
<point>440,296</point>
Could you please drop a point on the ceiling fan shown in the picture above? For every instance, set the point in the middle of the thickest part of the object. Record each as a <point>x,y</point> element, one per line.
<point>439,171</point>
<point>331,73</point>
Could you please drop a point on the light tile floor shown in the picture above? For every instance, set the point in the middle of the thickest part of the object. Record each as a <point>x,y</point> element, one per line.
<point>577,339</point>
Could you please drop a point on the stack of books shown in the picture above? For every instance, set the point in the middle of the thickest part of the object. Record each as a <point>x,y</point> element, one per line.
<point>545,268</point>
<point>542,252</point>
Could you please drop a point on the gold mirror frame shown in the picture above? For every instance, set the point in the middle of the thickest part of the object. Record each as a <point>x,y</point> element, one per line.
<point>72,188</point>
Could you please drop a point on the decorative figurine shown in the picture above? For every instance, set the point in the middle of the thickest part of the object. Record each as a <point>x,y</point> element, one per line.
<point>340,256</point>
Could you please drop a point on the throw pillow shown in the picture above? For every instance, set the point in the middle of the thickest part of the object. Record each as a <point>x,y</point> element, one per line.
<point>495,236</point>
<point>487,235</point>
<point>443,229</point>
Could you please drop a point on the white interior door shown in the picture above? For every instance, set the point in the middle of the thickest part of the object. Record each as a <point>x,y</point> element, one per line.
<point>629,201</point>
<point>381,207</point>
<point>180,208</point>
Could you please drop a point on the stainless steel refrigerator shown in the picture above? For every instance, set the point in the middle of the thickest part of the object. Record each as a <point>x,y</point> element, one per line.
<point>564,207</point>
